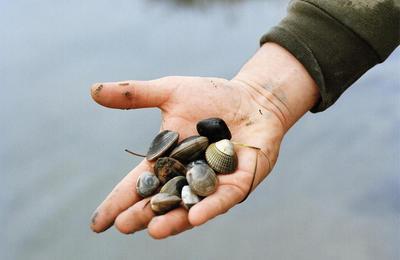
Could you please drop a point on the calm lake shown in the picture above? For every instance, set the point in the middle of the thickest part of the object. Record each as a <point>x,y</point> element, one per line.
<point>334,194</point>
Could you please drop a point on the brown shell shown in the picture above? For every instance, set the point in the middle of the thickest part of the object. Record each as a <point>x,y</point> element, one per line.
<point>167,168</point>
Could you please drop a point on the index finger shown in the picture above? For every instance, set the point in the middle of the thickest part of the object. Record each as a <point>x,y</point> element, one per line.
<point>121,197</point>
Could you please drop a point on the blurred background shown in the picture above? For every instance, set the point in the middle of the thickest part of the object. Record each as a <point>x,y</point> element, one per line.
<point>334,194</point>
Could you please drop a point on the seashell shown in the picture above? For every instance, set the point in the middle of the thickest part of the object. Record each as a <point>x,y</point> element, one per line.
<point>221,156</point>
<point>202,179</point>
<point>190,149</point>
<point>161,144</point>
<point>191,164</point>
<point>167,168</point>
<point>161,203</point>
<point>214,129</point>
<point>189,198</point>
<point>174,186</point>
<point>147,184</point>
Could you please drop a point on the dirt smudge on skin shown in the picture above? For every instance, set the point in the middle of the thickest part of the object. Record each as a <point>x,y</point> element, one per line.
<point>94,217</point>
<point>128,95</point>
<point>213,83</point>
<point>97,90</point>
<point>174,232</point>
<point>243,118</point>
<point>123,84</point>
<point>249,123</point>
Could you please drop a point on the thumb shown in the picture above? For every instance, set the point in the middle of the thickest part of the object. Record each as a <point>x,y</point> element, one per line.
<point>131,94</point>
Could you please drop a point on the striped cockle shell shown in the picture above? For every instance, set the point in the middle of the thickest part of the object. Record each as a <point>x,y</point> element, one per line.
<point>221,156</point>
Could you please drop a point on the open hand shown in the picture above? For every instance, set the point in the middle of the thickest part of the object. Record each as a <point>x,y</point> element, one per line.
<point>255,119</point>
<point>184,101</point>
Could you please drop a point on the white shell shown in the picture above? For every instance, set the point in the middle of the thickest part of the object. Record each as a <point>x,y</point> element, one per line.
<point>189,198</point>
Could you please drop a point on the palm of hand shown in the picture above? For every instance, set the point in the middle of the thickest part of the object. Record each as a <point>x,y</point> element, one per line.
<point>183,102</point>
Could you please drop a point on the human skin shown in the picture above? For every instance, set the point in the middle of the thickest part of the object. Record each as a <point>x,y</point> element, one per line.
<point>269,94</point>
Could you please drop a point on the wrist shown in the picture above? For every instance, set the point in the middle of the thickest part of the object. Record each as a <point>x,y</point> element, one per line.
<point>278,80</point>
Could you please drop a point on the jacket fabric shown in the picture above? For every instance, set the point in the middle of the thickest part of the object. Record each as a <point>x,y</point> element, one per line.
<point>338,41</point>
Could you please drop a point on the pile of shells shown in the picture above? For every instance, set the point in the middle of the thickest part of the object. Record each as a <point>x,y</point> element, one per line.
<point>185,172</point>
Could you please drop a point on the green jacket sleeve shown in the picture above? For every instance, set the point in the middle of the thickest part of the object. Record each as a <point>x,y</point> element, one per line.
<point>338,41</point>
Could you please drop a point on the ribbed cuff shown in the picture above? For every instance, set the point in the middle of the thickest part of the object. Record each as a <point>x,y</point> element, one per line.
<point>334,56</point>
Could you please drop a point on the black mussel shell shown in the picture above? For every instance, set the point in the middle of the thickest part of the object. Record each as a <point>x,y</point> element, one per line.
<point>190,149</point>
<point>167,168</point>
<point>161,144</point>
<point>214,129</point>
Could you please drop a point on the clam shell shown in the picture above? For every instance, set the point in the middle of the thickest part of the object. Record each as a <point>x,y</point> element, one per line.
<point>191,164</point>
<point>174,186</point>
<point>161,203</point>
<point>161,144</point>
<point>221,156</point>
<point>189,198</point>
<point>190,149</point>
<point>147,184</point>
<point>167,168</point>
<point>202,179</point>
<point>214,129</point>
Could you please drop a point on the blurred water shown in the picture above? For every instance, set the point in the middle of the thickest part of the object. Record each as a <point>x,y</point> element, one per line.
<point>333,195</point>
